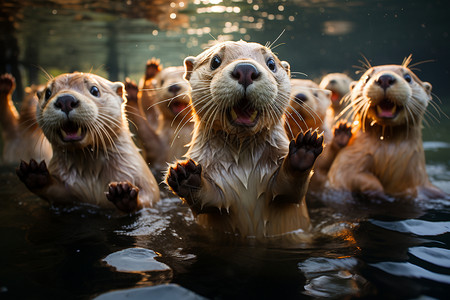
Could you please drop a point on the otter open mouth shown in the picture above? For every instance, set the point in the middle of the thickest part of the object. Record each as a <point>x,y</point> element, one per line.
<point>177,106</point>
<point>71,132</point>
<point>243,114</point>
<point>335,96</point>
<point>387,110</point>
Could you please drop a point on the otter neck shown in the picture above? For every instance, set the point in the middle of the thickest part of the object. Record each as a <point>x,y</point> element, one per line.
<point>389,132</point>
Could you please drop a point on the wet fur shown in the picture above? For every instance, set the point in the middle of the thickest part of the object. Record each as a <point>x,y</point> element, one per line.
<point>311,112</point>
<point>81,171</point>
<point>243,170</point>
<point>22,138</point>
<point>386,156</point>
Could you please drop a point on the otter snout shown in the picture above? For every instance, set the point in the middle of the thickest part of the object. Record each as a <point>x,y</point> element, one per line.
<point>300,97</point>
<point>385,81</point>
<point>245,74</point>
<point>66,103</point>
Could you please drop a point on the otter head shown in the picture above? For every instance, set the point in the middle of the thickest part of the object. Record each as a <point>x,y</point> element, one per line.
<point>238,87</point>
<point>308,104</point>
<point>390,95</point>
<point>173,93</point>
<point>78,110</point>
<point>339,85</point>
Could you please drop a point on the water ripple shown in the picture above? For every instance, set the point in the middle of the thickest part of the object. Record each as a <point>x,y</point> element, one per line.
<point>417,227</point>
<point>436,256</point>
<point>407,269</point>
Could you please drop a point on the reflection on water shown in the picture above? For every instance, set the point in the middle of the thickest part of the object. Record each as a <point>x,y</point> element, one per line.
<point>394,250</point>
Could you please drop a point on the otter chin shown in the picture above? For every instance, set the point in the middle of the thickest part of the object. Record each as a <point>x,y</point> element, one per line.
<point>243,176</point>
<point>385,157</point>
<point>82,116</point>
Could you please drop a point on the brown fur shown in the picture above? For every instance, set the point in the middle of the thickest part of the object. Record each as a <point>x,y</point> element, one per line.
<point>385,155</point>
<point>101,153</point>
<point>238,174</point>
<point>308,110</point>
<point>22,138</point>
<point>146,95</point>
<point>168,142</point>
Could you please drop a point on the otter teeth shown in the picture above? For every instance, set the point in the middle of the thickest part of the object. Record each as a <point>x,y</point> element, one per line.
<point>380,110</point>
<point>233,114</point>
<point>253,116</point>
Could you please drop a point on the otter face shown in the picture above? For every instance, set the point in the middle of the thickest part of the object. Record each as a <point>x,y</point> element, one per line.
<point>309,103</point>
<point>172,92</point>
<point>79,110</point>
<point>238,87</point>
<point>390,95</point>
<point>339,85</point>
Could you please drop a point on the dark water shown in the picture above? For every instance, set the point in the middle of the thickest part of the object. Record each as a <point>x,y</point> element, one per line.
<point>393,251</point>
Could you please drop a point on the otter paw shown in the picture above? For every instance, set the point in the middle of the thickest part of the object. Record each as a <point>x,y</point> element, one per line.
<point>124,195</point>
<point>7,83</point>
<point>132,89</point>
<point>342,132</point>
<point>153,67</point>
<point>35,176</point>
<point>304,150</point>
<point>185,178</point>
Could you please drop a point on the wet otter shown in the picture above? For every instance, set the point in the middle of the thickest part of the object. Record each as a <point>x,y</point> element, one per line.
<point>82,117</point>
<point>243,176</point>
<point>308,110</point>
<point>171,95</point>
<point>21,136</point>
<point>385,156</point>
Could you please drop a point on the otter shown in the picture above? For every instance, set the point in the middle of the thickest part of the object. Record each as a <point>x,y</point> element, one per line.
<point>168,142</point>
<point>385,156</point>
<point>146,95</point>
<point>82,116</point>
<point>21,136</point>
<point>339,85</point>
<point>242,175</point>
<point>307,109</point>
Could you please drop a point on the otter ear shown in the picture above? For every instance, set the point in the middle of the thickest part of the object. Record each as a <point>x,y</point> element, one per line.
<point>189,64</point>
<point>119,88</point>
<point>427,87</point>
<point>353,84</point>
<point>287,67</point>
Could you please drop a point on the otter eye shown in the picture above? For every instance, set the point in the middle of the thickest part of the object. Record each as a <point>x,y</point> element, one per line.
<point>366,79</point>
<point>48,94</point>
<point>215,62</point>
<point>407,78</point>
<point>316,94</point>
<point>162,83</point>
<point>95,91</point>
<point>271,64</point>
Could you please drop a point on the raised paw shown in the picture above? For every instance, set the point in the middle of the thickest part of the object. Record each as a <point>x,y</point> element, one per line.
<point>35,176</point>
<point>185,178</point>
<point>304,150</point>
<point>124,195</point>
<point>342,132</point>
<point>7,84</point>
<point>132,90</point>
<point>153,67</point>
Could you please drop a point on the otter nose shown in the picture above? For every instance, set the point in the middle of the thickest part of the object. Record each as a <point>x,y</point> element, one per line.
<point>174,88</point>
<point>385,81</point>
<point>66,103</point>
<point>301,98</point>
<point>245,74</point>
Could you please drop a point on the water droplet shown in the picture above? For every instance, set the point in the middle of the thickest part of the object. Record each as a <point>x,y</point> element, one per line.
<point>381,137</point>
